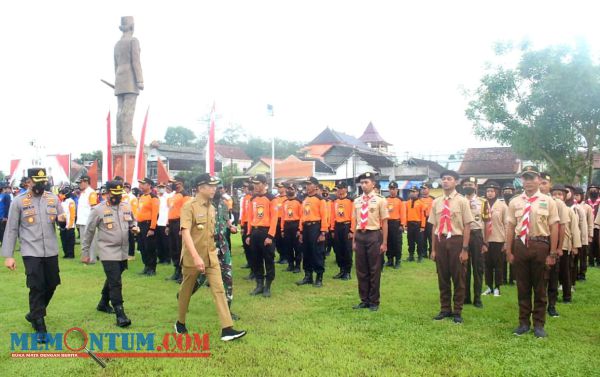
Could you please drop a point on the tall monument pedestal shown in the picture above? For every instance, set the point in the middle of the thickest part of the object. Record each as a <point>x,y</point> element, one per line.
<point>124,161</point>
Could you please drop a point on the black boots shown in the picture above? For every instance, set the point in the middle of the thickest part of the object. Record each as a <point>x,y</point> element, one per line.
<point>176,275</point>
<point>339,274</point>
<point>319,281</point>
<point>267,289</point>
<point>259,288</point>
<point>346,276</point>
<point>122,320</point>
<point>104,306</point>
<point>39,325</point>
<point>397,264</point>
<point>307,279</point>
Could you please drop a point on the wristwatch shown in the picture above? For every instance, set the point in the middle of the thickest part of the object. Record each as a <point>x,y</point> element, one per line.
<point>465,248</point>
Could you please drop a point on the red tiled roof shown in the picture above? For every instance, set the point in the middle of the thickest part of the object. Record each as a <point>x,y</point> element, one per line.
<point>231,152</point>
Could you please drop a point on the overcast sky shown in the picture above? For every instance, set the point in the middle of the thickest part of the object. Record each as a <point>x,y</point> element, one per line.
<point>401,65</point>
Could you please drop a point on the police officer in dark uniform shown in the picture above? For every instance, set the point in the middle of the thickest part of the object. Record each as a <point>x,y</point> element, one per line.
<point>32,218</point>
<point>114,221</point>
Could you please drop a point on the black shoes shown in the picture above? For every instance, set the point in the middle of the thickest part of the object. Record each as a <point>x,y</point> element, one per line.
<point>180,328</point>
<point>552,312</point>
<point>319,280</point>
<point>148,272</point>
<point>307,279</point>
<point>259,288</point>
<point>249,277</point>
<point>339,275</point>
<point>389,263</point>
<point>104,306</point>
<point>478,304</point>
<point>539,332</point>
<point>397,264</point>
<point>246,266</point>
<point>521,330</point>
<point>442,315</point>
<point>373,308</point>
<point>297,270</point>
<point>458,319</point>
<point>267,289</point>
<point>362,305</point>
<point>229,333</point>
<point>420,259</point>
<point>282,261</point>
<point>122,320</point>
<point>39,326</point>
<point>346,276</point>
<point>289,268</point>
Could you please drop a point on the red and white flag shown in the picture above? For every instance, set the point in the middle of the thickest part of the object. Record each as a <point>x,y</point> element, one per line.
<point>139,168</point>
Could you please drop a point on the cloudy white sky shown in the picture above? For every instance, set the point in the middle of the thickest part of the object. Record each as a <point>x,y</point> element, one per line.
<point>401,65</point>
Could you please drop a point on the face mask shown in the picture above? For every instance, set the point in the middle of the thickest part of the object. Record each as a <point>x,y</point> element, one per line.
<point>507,197</point>
<point>217,196</point>
<point>161,190</point>
<point>289,194</point>
<point>38,188</point>
<point>115,200</point>
<point>594,195</point>
<point>469,190</point>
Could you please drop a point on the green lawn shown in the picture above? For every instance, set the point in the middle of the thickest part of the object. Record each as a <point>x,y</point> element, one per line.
<point>305,331</point>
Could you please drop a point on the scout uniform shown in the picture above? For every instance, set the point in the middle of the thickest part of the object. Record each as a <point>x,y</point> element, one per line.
<point>475,263</point>
<point>587,235</point>
<point>449,216</point>
<point>415,226</point>
<point>532,218</point>
<point>495,235</point>
<point>341,219</point>
<point>313,226</point>
<point>593,200</point>
<point>290,223</point>
<point>32,218</point>
<point>148,205</point>
<point>369,214</point>
<point>198,216</point>
<point>508,190</point>
<point>554,273</point>
<point>262,224</point>
<point>396,224</point>
<point>113,222</point>
<point>581,217</point>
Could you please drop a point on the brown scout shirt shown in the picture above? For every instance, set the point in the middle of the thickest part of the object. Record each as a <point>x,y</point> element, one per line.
<point>378,211</point>
<point>498,233</point>
<point>543,213</point>
<point>198,215</point>
<point>460,209</point>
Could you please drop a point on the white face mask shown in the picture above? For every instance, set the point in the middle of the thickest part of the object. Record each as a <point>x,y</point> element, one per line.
<point>161,190</point>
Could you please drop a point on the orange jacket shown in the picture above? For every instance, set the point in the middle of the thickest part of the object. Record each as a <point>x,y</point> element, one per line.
<point>148,209</point>
<point>292,210</point>
<point>415,211</point>
<point>396,210</point>
<point>341,211</point>
<point>245,205</point>
<point>314,208</point>
<point>175,203</point>
<point>262,212</point>
<point>427,203</point>
<point>279,205</point>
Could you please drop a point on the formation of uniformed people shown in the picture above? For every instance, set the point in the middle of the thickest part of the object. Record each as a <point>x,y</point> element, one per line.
<point>548,235</point>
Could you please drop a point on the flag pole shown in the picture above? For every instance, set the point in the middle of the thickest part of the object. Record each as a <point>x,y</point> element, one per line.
<point>270,113</point>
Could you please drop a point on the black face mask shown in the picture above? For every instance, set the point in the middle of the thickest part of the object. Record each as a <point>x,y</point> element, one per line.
<point>115,200</point>
<point>594,195</point>
<point>217,196</point>
<point>290,194</point>
<point>39,188</point>
<point>468,190</point>
<point>507,197</point>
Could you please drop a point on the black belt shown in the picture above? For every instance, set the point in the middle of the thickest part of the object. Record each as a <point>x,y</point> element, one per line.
<point>343,222</point>
<point>291,221</point>
<point>265,228</point>
<point>310,223</point>
<point>368,230</point>
<point>544,239</point>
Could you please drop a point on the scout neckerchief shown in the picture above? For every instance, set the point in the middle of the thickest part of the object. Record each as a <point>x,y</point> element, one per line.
<point>364,211</point>
<point>524,234</point>
<point>445,220</point>
<point>594,205</point>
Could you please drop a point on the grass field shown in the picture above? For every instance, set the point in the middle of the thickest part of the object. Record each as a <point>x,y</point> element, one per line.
<point>306,331</point>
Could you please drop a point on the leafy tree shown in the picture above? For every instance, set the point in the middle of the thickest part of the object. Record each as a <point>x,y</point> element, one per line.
<point>180,136</point>
<point>545,107</point>
<point>93,156</point>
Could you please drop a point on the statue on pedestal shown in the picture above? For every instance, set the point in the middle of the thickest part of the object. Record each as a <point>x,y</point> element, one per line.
<point>128,80</point>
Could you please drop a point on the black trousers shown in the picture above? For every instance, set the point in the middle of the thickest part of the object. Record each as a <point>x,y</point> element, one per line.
<point>42,279</point>
<point>147,246</point>
<point>175,241</point>
<point>476,265</point>
<point>581,258</point>
<point>67,239</point>
<point>415,239</point>
<point>263,264</point>
<point>132,238</point>
<point>313,250</point>
<point>278,241</point>
<point>426,237</point>
<point>553,274</point>
<point>112,289</point>
<point>594,249</point>
<point>342,246</point>
<point>291,244</point>
<point>162,244</point>
<point>2,229</point>
<point>494,263</point>
<point>394,241</point>
<point>247,249</point>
